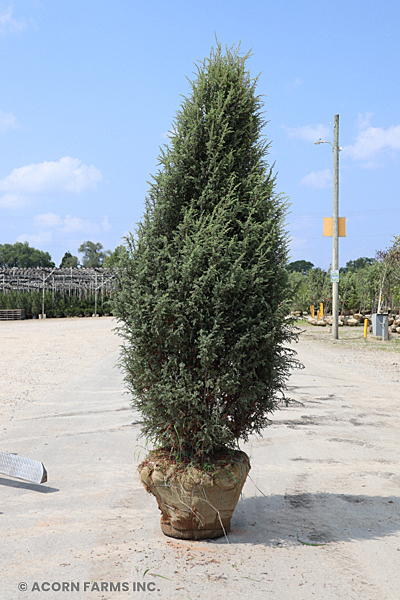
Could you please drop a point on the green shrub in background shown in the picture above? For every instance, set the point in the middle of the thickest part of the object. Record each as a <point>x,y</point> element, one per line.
<point>61,304</point>
<point>359,285</point>
<point>36,303</point>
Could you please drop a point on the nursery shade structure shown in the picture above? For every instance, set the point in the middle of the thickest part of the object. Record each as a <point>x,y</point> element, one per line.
<point>203,294</point>
<point>61,280</point>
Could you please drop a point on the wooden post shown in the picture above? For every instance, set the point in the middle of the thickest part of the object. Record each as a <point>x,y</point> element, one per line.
<point>43,297</point>
<point>95,294</point>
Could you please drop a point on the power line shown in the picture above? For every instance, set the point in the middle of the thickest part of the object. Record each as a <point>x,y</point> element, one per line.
<point>347,236</point>
<point>350,213</point>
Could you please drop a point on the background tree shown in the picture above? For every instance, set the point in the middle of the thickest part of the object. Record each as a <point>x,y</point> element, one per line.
<point>359,285</point>
<point>203,295</point>
<point>93,254</point>
<point>22,255</point>
<point>357,264</point>
<point>310,287</point>
<point>68,260</point>
<point>299,291</point>
<point>389,261</point>
<point>114,258</point>
<point>299,266</point>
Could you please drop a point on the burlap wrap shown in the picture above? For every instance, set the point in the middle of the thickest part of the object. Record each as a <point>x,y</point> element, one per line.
<point>196,504</point>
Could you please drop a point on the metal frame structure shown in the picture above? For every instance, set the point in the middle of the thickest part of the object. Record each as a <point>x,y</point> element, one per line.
<point>63,280</point>
<point>81,282</point>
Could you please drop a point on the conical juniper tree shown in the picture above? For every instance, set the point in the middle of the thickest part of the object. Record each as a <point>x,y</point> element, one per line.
<point>202,295</point>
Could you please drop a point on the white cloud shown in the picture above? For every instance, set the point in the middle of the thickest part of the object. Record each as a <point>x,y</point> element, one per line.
<point>297,243</point>
<point>302,223</point>
<point>13,201</point>
<point>48,220</point>
<point>294,84</point>
<point>9,24</point>
<point>317,179</point>
<point>7,121</point>
<point>72,224</point>
<point>372,143</point>
<point>43,237</point>
<point>69,224</point>
<point>106,224</point>
<point>363,121</point>
<point>308,133</point>
<point>66,175</point>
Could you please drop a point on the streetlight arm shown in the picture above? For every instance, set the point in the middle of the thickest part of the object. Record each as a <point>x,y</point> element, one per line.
<point>326,142</point>
<point>323,142</point>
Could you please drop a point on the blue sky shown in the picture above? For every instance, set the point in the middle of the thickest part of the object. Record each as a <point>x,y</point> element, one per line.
<point>89,89</point>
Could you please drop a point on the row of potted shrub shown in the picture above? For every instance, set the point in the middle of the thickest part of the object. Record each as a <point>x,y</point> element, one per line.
<point>79,312</point>
<point>61,305</point>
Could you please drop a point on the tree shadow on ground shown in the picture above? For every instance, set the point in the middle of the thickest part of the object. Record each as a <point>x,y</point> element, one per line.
<point>314,519</point>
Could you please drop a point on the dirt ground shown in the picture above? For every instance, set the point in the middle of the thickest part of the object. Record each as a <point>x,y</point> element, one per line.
<point>319,515</point>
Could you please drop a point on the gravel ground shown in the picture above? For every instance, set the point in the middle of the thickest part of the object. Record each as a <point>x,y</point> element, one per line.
<point>319,516</point>
<point>351,349</point>
<point>37,357</point>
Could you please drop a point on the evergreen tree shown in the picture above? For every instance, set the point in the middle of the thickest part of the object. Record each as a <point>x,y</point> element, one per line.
<point>203,292</point>
<point>68,260</point>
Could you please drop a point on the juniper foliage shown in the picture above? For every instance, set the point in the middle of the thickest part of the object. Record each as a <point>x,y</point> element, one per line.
<point>203,294</point>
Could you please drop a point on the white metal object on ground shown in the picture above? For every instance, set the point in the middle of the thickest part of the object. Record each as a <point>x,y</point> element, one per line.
<point>22,468</point>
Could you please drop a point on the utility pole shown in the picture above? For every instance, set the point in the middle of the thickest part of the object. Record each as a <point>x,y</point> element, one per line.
<point>335,237</point>
<point>335,228</point>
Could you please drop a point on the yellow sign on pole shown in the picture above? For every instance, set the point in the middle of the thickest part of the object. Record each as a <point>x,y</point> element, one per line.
<point>328,226</point>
